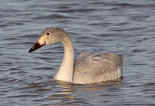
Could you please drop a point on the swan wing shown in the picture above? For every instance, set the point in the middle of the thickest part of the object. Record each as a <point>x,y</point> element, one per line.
<point>91,67</point>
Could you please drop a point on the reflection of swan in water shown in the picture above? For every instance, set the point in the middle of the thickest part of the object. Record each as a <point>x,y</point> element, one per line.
<point>90,67</point>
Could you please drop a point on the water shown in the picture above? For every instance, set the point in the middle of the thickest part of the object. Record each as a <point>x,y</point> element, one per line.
<point>122,27</point>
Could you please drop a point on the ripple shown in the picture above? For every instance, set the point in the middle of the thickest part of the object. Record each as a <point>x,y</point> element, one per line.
<point>138,50</point>
<point>54,16</point>
<point>77,10</point>
<point>149,84</point>
<point>94,25</point>
<point>44,68</point>
<point>23,96</point>
<point>29,36</point>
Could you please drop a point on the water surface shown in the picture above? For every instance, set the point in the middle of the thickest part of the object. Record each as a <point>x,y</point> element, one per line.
<point>122,27</point>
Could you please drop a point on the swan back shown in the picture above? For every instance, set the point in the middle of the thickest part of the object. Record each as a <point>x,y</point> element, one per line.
<point>94,67</point>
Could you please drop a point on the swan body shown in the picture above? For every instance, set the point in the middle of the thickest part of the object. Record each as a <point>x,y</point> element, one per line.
<point>89,67</point>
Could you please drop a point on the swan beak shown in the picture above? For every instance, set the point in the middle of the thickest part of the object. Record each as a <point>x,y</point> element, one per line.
<point>40,43</point>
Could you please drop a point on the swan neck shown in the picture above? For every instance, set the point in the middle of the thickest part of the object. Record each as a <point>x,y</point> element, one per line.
<point>65,72</point>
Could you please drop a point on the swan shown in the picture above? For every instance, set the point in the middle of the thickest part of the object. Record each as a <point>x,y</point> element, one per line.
<point>89,67</point>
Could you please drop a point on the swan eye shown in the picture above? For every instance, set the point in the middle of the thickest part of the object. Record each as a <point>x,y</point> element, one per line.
<point>48,33</point>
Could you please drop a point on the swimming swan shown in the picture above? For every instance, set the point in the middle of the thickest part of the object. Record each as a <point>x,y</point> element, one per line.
<point>89,67</point>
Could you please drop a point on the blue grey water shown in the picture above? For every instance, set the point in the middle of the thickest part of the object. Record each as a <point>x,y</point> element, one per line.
<point>117,26</point>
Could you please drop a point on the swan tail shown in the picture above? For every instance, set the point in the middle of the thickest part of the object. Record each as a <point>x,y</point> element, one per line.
<point>122,58</point>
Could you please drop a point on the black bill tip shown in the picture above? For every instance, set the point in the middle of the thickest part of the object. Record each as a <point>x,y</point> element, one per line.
<point>36,46</point>
<point>31,50</point>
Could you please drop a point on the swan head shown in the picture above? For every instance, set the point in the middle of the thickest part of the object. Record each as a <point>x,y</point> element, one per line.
<point>49,36</point>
